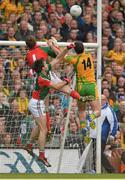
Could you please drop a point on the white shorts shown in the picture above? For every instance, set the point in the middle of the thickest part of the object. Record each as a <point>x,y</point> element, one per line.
<point>37,107</point>
<point>54,78</point>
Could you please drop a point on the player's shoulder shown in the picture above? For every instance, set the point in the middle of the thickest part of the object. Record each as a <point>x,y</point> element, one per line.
<point>74,56</point>
<point>70,56</point>
<point>86,54</point>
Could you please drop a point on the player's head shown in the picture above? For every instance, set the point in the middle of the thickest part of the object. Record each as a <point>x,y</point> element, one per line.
<point>38,65</point>
<point>30,41</point>
<point>78,47</point>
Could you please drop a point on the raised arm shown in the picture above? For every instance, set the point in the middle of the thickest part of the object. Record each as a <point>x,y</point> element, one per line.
<point>43,82</point>
<point>52,43</point>
<point>60,56</point>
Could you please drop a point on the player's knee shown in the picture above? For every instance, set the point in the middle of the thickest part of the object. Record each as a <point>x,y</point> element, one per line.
<point>43,129</point>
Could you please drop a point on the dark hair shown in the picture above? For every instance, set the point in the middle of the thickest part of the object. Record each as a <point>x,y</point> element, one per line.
<point>37,65</point>
<point>105,80</point>
<point>79,47</point>
<point>30,41</point>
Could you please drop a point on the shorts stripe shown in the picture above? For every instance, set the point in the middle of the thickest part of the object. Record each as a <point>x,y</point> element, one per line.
<point>38,108</point>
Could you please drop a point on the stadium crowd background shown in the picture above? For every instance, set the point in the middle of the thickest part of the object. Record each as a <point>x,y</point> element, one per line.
<point>43,19</point>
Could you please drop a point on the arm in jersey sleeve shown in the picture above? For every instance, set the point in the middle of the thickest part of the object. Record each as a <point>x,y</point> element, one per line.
<point>49,51</point>
<point>59,58</point>
<point>42,82</point>
<point>71,59</point>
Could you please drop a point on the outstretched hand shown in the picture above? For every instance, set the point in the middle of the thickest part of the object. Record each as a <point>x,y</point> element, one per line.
<point>52,42</point>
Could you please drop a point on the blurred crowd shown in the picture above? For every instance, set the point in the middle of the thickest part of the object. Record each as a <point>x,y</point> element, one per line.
<point>44,19</point>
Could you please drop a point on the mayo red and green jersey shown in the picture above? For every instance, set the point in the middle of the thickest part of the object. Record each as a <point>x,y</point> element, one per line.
<point>83,66</point>
<point>42,87</point>
<point>38,53</point>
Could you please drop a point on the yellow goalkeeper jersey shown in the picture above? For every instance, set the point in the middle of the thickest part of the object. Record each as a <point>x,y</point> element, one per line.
<point>84,67</point>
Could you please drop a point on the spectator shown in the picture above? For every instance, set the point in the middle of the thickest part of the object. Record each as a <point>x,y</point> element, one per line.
<point>118,71</point>
<point>36,21</point>
<point>44,30</point>
<point>109,127</point>
<point>23,31</point>
<point>110,96</point>
<point>121,112</point>
<point>4,109</point>
<point>3,30</point>
<point>40,35</point>
<point>65,29</point>
<point>90,38</point>
<point>22,102</point>
<point>35,6</point>
<point>120,34</point>
<point>73,128</point>
<point>10,35</point>
<point>87,26</point>
<point>108,33</point>
<point>59,12</point>
<point>2,129</point>
<point>9,23</point>
<point>121,82</point>
<point>7,140</point>
<point>105,84</point>
<point>28,12</point>
<point>13,19</point>
<point>116,54</point>
<point>13,121</point>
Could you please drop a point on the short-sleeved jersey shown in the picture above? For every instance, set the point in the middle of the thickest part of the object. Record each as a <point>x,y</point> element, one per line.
<point>38,53</point>
<point>84,67</point>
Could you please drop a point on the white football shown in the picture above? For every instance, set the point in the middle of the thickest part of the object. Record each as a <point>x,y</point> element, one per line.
<point>75,10</point>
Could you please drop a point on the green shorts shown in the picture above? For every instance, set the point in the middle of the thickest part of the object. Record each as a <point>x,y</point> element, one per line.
<point>87,89</point>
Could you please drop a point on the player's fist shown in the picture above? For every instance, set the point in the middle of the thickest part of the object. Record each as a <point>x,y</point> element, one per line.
<point>67,80</point>
<point>70,46</point>
<point>54,41</point>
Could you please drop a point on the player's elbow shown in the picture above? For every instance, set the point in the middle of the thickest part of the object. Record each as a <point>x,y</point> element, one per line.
<point>43,82</point>
<point>40,81</point>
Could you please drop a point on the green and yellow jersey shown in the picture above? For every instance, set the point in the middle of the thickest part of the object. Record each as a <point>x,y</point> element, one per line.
<point>84,67</point>
<point>85,74</point>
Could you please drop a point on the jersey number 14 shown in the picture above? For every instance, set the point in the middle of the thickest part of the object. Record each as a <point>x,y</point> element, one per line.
<point>87,64</point>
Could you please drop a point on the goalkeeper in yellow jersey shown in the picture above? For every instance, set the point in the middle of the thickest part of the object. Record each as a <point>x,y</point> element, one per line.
<point>85,84</point>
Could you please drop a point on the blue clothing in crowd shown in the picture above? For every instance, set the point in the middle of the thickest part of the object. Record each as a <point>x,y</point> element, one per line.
<point>109,122</point>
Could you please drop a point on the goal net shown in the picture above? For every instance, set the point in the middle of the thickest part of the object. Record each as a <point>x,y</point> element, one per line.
<point>66,148</point>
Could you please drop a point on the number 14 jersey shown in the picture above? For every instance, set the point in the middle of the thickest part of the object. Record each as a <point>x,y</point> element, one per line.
<point>83,66</point>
